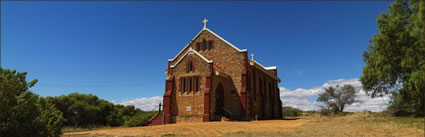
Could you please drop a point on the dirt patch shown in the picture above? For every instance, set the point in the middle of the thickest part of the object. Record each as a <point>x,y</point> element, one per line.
<point>198,128</point>
<point>359,125</point>
<point>356,125</point>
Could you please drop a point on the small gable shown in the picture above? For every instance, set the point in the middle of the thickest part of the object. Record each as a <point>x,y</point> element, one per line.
<point>192,53</point>
<point>205,44</point>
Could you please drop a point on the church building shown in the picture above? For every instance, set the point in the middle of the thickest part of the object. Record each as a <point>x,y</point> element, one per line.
<point>211,79</point>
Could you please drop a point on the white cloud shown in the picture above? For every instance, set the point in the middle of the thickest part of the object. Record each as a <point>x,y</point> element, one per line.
<point>146,104</point>
<point>299,98</point>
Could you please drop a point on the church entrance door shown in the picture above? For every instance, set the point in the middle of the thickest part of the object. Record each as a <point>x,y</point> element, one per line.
<point>219,100</point>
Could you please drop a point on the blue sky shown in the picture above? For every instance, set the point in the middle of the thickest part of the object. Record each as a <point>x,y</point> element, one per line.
<point>119,50</point>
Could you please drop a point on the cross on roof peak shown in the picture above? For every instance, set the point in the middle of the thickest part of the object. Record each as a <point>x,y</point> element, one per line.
<point>205,23</point>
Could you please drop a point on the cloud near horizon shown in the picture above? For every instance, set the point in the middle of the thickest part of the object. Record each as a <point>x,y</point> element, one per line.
<point>146,104</point>
<point>304,99</point>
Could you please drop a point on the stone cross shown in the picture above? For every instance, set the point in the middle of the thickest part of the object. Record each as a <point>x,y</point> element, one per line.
<point>205,23</point>
<point>252,56</point>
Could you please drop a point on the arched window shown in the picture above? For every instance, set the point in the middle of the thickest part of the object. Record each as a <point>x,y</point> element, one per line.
<point>190,66</point>
<point>210,45</point>
<point>196,84</point>
<point>254,93</point>
<point>260,87</point>
<point>190,84</point>
<point>204,44</point>
<point>184,85</point>
<point>263,90</point>
<point>198,46</point>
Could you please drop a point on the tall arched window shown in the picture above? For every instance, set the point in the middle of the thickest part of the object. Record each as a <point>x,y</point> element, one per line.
<point>184,85</point>
<point>190,84</point>
<point>260,87</point>
<point>204,44</point>
<point>198,46</point>
<point>264,91</point>
<point>196,84</point>
<point>210,45</point>
<point>254,93</point>
<point>190,66</point>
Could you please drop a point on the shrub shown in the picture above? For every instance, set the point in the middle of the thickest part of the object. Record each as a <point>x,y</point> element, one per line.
<point>291,112</point>
<point>325,111</point>
<point>140,119</point>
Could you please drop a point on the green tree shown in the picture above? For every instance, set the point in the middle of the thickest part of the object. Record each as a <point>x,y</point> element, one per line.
<point>85,110</point>
<point>395,58</point>
<point>337,98</point>
<point>51,118</point>
<point>82,110</point>
<point>23,113</point>
<point>114,119</point>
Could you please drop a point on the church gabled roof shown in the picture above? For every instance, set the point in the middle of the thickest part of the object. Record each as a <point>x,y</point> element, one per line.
<point>233,46</point>
<point>209,61</point>
<point>191,51</point>
<point>265,69</point>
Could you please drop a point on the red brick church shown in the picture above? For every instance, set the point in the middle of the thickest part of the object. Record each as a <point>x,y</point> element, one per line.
<point>210,79</point>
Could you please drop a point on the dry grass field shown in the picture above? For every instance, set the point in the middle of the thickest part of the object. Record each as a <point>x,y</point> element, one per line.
<point>355,125</point>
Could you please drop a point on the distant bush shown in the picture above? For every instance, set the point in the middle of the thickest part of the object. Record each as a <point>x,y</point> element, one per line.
<point>325,111</point>
<point>291,112</point>
<point>87,110</point>
<point>140,119</point>
<point>309,113</point>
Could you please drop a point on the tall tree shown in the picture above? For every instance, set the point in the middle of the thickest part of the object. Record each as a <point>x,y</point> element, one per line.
<point>337,98</point>
<point>395,58</point>
<point>22,113</point>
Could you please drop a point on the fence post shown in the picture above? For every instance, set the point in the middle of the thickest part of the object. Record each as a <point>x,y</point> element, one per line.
<point>163,117</point>
<point>159,112</point>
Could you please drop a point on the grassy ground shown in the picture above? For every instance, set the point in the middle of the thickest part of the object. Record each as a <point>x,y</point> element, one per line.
<point>356,125</point>
<point>78,129</point>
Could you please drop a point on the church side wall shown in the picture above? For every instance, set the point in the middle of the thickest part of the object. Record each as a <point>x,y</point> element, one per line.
<point>264,95</point>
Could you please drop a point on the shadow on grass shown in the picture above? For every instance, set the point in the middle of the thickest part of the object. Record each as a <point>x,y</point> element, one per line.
<point>172,135</point>
<point>258,134</point>
<point>291,118</point>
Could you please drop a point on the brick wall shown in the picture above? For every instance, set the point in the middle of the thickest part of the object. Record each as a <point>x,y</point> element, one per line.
<point>192,99</point>
<point>231,97</point>
<point>264,95</point>
<point>228,60</point>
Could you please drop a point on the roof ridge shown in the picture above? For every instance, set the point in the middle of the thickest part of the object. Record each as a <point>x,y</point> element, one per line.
<point>233,46</point>
<point>267,68</point>
<point>225,41</point>
<point>188,52</point>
